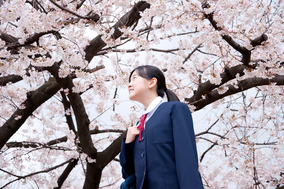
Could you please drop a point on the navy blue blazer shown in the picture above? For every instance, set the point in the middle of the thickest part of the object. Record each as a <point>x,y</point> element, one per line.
<point>166,157</point>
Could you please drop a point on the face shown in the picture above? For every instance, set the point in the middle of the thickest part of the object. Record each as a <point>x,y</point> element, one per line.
<point>138,87</point>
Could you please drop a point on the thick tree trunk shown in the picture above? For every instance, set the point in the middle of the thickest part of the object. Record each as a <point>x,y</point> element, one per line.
<point>94,170</point>
<point>93,176</point>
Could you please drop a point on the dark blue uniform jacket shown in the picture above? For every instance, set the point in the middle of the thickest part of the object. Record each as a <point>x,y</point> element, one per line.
<point>166,157</point>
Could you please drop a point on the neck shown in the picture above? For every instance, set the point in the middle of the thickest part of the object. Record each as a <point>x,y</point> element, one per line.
<point>147,101</point>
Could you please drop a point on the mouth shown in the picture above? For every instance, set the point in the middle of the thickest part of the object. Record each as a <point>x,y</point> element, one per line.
<point>130,90</point>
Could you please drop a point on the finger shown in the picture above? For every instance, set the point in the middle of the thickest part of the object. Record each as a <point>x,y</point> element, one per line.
<point>133,130</point>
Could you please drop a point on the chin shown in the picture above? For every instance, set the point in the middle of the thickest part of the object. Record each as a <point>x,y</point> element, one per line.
<point>131,97</point>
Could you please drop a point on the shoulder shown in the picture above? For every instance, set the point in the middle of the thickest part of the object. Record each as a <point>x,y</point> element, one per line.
<point>175,104</point>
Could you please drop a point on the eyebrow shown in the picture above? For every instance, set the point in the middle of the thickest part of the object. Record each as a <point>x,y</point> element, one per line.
<point>134,74</point>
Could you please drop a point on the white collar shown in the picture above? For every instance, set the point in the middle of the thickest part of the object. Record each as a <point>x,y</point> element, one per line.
<point>153,106</point>
<point>151,109</point>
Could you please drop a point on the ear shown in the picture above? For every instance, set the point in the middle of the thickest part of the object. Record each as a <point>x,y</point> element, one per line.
<point>153,83</point>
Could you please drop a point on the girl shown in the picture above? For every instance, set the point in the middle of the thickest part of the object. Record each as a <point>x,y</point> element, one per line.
<point>160,150</point>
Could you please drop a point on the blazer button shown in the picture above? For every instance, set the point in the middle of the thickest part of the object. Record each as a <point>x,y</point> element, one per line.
<point>142,155</point>
<point>142,138</point>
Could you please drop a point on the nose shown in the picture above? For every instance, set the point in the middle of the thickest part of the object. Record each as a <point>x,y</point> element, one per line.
<point>129,84</point>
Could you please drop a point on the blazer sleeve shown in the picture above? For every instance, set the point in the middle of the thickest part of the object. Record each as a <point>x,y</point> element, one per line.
<point>127,159</point>
<point>185,148</point>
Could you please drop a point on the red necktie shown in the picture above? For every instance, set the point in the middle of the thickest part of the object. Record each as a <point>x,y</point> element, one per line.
<point>141,126</point>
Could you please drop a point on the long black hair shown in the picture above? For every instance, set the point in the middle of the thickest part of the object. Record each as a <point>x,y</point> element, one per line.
<point>149,72</point>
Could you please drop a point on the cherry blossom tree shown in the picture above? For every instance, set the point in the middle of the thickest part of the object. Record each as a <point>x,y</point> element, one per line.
<point>64,71</point>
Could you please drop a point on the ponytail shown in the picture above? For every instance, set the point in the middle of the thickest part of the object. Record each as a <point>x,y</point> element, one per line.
<point>171,96</point>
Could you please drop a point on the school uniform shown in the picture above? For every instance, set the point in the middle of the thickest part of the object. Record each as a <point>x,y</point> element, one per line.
<point>166,156</point>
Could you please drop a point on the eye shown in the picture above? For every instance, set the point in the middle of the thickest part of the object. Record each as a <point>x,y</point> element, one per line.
<point>134,77</point>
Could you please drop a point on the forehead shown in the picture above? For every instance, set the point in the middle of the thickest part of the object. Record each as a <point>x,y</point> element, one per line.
<point>134,74</point>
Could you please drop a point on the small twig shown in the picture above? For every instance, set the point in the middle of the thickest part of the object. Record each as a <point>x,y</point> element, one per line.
<point>94,17</point>
<point>35,173</point>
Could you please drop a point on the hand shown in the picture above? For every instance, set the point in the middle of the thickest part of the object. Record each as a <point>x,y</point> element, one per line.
<point>132,132</point>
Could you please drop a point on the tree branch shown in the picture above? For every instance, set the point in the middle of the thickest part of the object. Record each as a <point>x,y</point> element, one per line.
<point>36,145</point>
<point>95,131</point>
<point>67,107</point>
<point>243,85</point>
<point>93,17</point>
<point>35,4</point>
<point>206,87</point>
<point>94,170</point>
<point>111,151</point>
<point>246,54</point>
<point>127,20</point>
<point>35,99</point>
<point>80,4</point>
<point>257,41</point>
<point>58,140</point>
<point>204,153</point>
<point>191,53</point>
<point>38,172</point>
<point>66,172</point>
<point>34,38</point>
<point>78,107</point>
<point>25,144</point>
<point>244,51</point>
<point>9,78</point>
<point>8,38</point>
